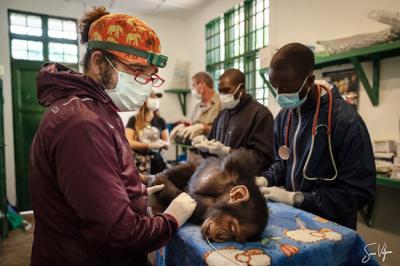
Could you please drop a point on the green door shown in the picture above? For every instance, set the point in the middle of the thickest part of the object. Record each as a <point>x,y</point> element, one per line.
<point>3,220</point>
<point>27,115</point>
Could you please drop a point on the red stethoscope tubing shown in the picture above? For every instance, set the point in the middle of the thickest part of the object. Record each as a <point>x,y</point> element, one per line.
<point>315,120</point>
<point>314,133</point>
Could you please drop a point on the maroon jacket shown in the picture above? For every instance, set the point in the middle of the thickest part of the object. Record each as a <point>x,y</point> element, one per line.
<point>90,207</point>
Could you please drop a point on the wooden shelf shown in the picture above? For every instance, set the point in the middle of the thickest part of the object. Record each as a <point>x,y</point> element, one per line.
<point>181,93</point>
<point>387,181</point>
<point>370,53</point>
<point>374,53</point>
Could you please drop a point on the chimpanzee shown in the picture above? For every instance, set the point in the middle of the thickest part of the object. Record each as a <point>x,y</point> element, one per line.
<point>230,206</point>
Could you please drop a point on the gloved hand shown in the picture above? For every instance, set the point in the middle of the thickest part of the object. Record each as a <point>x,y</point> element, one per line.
<point>192,131</point>
<point>182,207</point>
<point>156,145</point>
<point>201,143</point>
<point>278,194</point>
<point>151,198</point>
<point>261,181</point>
<point>217,148</point>
<point>198,140</point>
<point>176,130</point>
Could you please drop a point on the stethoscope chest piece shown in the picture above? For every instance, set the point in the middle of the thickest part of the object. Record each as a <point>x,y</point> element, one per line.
<point>284,152</point>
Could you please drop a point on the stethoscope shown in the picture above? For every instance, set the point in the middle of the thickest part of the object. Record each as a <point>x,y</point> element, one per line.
<point>284,151</point>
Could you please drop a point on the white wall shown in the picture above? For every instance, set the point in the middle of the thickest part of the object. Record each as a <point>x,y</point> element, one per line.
<point>183,38</point>
<point>173,40</point>
<point>307,21</point>
<point>312,20</point>
<point>196,27</point>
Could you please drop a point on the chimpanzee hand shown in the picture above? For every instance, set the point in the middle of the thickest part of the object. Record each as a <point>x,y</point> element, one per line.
<point>151,198</point>
<point>181,208</point>
<point>278,194</point>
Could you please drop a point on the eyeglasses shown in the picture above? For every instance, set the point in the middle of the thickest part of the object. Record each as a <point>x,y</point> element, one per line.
<point>143,78</point>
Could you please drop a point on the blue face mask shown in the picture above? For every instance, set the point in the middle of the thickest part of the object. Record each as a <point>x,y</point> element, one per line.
<point>292,100</point>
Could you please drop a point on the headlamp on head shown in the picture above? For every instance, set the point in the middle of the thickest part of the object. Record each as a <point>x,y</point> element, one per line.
<point>152,58</point>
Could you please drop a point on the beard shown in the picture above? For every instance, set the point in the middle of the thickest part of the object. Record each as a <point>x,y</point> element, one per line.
<point>106,77</point>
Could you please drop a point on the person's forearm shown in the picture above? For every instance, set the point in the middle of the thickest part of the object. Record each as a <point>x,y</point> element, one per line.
<point>274,175</point>
<point>207,129</point>
<point>165,138</point>
<point>137,145</point>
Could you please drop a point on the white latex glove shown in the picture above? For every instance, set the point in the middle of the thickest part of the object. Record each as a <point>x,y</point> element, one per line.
<point>261,181</point>
<point>176,130</point>
<point>192,131</point>
<point>198,140</point>
<point>217,148</point>
<point>151,198</point>
<point>278,194</point>
<point>201,143</point>
<point>182,207</point>
<point>156,145</point>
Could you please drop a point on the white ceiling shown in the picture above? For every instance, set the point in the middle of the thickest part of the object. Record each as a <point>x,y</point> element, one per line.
<point>151,7</point>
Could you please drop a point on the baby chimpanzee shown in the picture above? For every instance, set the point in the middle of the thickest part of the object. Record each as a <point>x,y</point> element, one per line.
<point>230,206</point>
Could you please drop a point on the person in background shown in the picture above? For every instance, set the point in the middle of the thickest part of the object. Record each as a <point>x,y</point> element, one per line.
<point>324,158</point>
<point>89,204</point>
<point>204,112</point>
<point>147,135</point>
<point>242,123</point>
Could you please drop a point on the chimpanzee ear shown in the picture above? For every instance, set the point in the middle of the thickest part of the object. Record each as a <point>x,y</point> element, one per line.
<point>239,194</point>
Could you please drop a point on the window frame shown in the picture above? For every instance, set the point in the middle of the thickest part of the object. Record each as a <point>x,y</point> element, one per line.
<point>248,60</point>
<point>45,39</point>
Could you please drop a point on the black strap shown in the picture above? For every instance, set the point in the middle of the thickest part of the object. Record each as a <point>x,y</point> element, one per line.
<point>152,58</point>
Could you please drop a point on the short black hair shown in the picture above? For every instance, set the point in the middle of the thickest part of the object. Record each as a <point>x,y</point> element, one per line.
<point>235,75</point>
<point>294,56</point>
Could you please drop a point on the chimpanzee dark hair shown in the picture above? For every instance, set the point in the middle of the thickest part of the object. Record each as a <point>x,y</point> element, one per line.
<point>253,213</point>
<point>242,163</point>
<point>84,27</point>
<point>294,56</point>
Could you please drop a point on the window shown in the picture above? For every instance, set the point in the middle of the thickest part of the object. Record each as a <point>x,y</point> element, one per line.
<point>30,50</point>
<point>59,28</point>
<point>62,52</point>
<point>233,40</point>
<point>43,38</point>
<point>26,24</point>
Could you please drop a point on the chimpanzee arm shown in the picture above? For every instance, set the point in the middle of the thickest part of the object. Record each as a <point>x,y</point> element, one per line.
<point>180,174</point>
<point>175,180</point>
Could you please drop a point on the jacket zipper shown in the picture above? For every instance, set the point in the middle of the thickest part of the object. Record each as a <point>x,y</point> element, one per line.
<point>294,147</point>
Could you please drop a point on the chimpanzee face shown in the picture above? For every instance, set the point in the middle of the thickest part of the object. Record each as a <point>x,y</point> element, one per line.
<point>229,220</point>
<point>222,227</point>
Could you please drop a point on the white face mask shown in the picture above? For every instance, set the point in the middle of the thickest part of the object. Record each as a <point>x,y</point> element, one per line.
<point>128,94</point>
<point>153,103</point>
<point>228,101</point>
<point>196,94</point>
